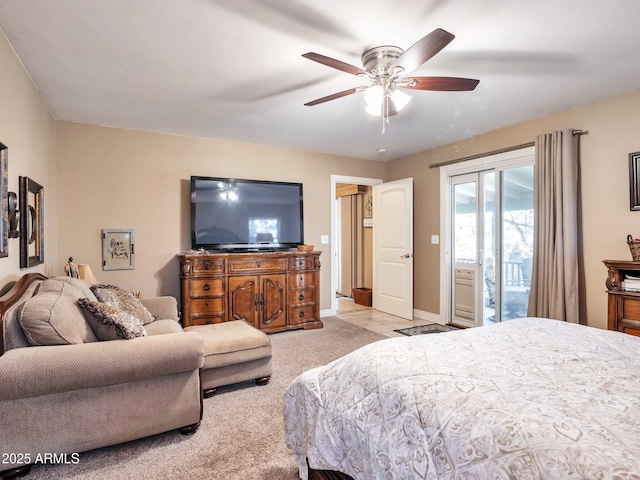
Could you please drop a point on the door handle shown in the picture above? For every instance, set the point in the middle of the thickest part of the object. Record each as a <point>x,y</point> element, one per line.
<point>407,255</point>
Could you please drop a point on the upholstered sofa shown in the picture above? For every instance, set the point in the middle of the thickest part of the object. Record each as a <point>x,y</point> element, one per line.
<point>90,392</point>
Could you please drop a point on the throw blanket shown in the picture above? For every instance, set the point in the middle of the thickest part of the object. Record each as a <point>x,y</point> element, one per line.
<point>527,399</point>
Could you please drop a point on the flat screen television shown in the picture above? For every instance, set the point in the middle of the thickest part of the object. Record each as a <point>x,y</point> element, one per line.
<point>245,215</point>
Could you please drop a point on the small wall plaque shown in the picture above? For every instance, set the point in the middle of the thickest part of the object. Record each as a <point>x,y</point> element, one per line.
<point>118,249</point>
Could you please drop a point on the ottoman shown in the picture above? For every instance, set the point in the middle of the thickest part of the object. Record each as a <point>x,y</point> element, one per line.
<point>233,352</point>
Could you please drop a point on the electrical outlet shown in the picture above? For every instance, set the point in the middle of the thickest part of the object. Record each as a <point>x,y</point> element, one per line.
<point>324,239</point>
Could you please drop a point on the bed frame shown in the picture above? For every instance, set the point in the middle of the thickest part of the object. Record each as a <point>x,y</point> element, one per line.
<point>326,474</point>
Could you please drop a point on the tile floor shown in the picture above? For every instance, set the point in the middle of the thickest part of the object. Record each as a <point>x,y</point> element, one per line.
<point>367,317</point>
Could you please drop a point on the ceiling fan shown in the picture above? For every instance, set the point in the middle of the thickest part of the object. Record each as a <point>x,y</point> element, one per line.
<point>386,66</point>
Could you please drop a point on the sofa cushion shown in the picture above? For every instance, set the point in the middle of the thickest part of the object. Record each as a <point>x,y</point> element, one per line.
<point>111,323</point>
<point>80,285</point>
<point>52,316</point>
<point>14,336</point>
<point>162,327</point>
<point>122,300</point>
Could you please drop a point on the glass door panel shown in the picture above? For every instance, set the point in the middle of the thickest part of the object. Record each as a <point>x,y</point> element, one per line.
<point>465,250</point>
<point>465,223</point>
<point>517,240</point>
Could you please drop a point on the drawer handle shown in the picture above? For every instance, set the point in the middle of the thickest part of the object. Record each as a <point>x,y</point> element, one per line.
<point>301,297</point>
<point>258,264</point>
<point>206,287</point>
<point>206,304</point>
<point>207,264</point>
<point>301,314</point>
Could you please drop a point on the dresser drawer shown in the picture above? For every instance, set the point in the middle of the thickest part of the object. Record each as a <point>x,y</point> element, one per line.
<point>301,263</point>
<point>302,314</point>
<point>202,266</point>
<point>301,280</point>
<point>205,320</point>
<point>263,265</point>
<point>631,308</point>
<point>207,287</point>
<point>302,296</point>
<point>207,306</point>
<point>629,327</point>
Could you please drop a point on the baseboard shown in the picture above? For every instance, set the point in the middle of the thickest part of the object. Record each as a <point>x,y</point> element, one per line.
<point>427,316</point>
<point>417,314</point>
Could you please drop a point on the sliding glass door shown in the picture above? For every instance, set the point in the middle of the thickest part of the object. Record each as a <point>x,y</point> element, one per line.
<point>491,243</point>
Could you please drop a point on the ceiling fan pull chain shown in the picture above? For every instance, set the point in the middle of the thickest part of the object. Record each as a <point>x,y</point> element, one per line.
<point>385,112</point>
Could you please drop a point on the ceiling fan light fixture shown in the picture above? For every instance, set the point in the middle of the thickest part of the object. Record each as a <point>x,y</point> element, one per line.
<point>385,66</point>
<point>400,99</point>
<point>375,110</point>
<point>375,95</point>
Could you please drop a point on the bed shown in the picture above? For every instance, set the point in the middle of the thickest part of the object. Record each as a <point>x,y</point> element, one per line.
<point>527,399</point>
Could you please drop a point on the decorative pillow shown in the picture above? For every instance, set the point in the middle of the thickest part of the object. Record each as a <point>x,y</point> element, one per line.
<point>52,316</point>
<point>110,323</point>
<point>80,285</point>
<point>123,300</point>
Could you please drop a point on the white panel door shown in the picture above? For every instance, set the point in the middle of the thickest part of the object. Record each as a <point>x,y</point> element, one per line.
<point>393,248</point>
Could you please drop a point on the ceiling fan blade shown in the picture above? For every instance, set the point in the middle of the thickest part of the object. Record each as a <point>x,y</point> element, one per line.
<point>441,84</point>
<point>423,50</point>
<point>333,63</point>
<point>334,96</point>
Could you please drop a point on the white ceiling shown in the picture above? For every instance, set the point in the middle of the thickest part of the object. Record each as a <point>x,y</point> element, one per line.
<point>232,69</point>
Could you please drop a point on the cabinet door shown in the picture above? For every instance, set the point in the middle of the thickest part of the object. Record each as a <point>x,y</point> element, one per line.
<point>244,299</point>
<point>272,298</point>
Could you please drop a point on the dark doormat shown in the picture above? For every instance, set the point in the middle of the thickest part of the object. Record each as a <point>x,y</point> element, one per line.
<point>422,329</point>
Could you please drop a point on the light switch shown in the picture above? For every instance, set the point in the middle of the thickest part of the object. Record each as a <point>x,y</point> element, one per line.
<point>324,239</point>
<point>435,239</point>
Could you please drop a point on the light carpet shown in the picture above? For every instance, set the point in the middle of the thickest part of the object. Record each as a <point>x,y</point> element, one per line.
<point>242,432</point>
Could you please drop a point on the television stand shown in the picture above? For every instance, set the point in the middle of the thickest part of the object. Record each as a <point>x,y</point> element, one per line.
<point>271,290</point>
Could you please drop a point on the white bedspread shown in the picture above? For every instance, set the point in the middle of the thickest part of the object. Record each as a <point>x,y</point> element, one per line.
<point>524,399</point>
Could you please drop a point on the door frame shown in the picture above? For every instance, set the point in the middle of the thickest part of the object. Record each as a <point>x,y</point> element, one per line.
<point>335,179</point>
<point>511,158</point>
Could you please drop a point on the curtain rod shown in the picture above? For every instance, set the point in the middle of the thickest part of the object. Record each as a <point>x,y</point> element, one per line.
<point>495,152</point>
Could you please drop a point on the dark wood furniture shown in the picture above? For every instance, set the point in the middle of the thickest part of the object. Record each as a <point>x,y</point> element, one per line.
<point>327,475</point>
<point>623,306</point>
<point>273,291</point>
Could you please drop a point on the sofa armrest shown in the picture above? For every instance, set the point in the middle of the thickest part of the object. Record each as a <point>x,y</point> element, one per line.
<point>34,371</point>
<point>163,308</point>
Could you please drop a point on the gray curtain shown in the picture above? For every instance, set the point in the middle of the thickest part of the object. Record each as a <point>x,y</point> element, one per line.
<point>555,275</point>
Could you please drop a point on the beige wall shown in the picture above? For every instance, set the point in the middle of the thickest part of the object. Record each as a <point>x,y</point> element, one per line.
<point>613,126</point>
<point>115,178</point>
<point>29,132</point>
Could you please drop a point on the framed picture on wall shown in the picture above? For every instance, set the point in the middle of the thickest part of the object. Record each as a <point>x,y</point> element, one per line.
<point>31,208</point>
<point>118,249</point>
<point>4,201</point>
<point>634,181</point>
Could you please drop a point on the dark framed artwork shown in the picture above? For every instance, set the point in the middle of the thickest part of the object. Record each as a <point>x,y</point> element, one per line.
<point>31,207</point>
<point>634,181</point>
<point>118,252</point>
<point>4,201</point>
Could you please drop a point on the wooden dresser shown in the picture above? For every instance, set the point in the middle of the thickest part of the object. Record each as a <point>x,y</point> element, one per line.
<point>624,306</point>
<point>273,291</point>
